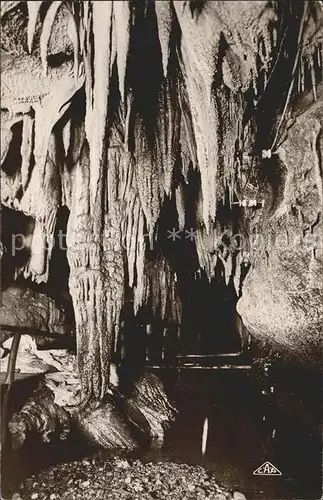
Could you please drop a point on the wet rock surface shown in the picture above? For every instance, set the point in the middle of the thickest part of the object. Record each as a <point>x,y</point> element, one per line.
<point>98,478</point>
<point>113,423</point>
<point>26,308</point>
<point>248,424</point>
<point>282,295</point>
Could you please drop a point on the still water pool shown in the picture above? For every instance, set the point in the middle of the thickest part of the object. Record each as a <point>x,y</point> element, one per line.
<point>250,421</point>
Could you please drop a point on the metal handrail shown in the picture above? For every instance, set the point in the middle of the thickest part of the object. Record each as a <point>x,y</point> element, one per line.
<point>33,332</point>
<point>17,331</point>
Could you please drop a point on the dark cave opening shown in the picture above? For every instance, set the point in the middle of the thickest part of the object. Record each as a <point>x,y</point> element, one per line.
<point>212,129</point>
<point>145,338</point>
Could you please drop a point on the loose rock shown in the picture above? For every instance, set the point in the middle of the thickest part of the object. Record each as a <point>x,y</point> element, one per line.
<point>122,479</point>
<point>238,496</point>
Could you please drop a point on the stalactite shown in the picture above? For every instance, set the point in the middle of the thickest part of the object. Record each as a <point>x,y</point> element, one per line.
<point>274,37</point>
<point>33,10</point>
<point>6,137</point>
<point>141,282</point>
<point>73,137</point>
<point>230,143</point>
<point>42,195</point>
<point>206,248</point>
<point>96,122</point>
<point>313,78</point>
<point>113,44</point>
<point>164,25</point>
<point>47,30</point>
<point>149,177</point>
<point>227,268</point>
<point>26,149</point>
<point>127,125</point>
<point>121,10</point>
<point>48,113</point>
<point>66,135</point>
<point>118,198</point>
<point>302,75</point>
<point>131,241</point>
<point>237,274</point>
<point>198,65</point>
<point>160,290</point>
<point>267,46</point>
<point>131,209</point>
<point>187,138</point>
<point>37,263</point>
<point>42,199</point>
<point>73,33</point>
<point>167,135</point>
<point>180,206</point>
<point>205,124</point>
<point>317,145</point>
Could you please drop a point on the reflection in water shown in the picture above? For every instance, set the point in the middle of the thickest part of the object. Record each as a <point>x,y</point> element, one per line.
<point>249,421</point>
<point>248,424</point>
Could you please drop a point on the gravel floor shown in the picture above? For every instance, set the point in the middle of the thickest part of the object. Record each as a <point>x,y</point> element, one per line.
<point>118,478</point>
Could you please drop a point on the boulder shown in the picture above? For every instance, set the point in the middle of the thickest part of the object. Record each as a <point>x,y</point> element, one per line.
<point>118,422</point>
<point>281,299</point>
<point>26,308</point>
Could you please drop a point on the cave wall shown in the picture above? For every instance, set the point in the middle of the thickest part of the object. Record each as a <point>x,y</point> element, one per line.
<point>282,294</point>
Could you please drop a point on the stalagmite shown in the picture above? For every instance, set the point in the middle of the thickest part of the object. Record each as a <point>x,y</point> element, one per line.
<point>85,282</point>
<point>95,253</point>
<point>164,24</point>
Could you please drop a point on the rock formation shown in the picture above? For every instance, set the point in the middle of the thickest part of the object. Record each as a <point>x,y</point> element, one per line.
<point>115,109</point>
